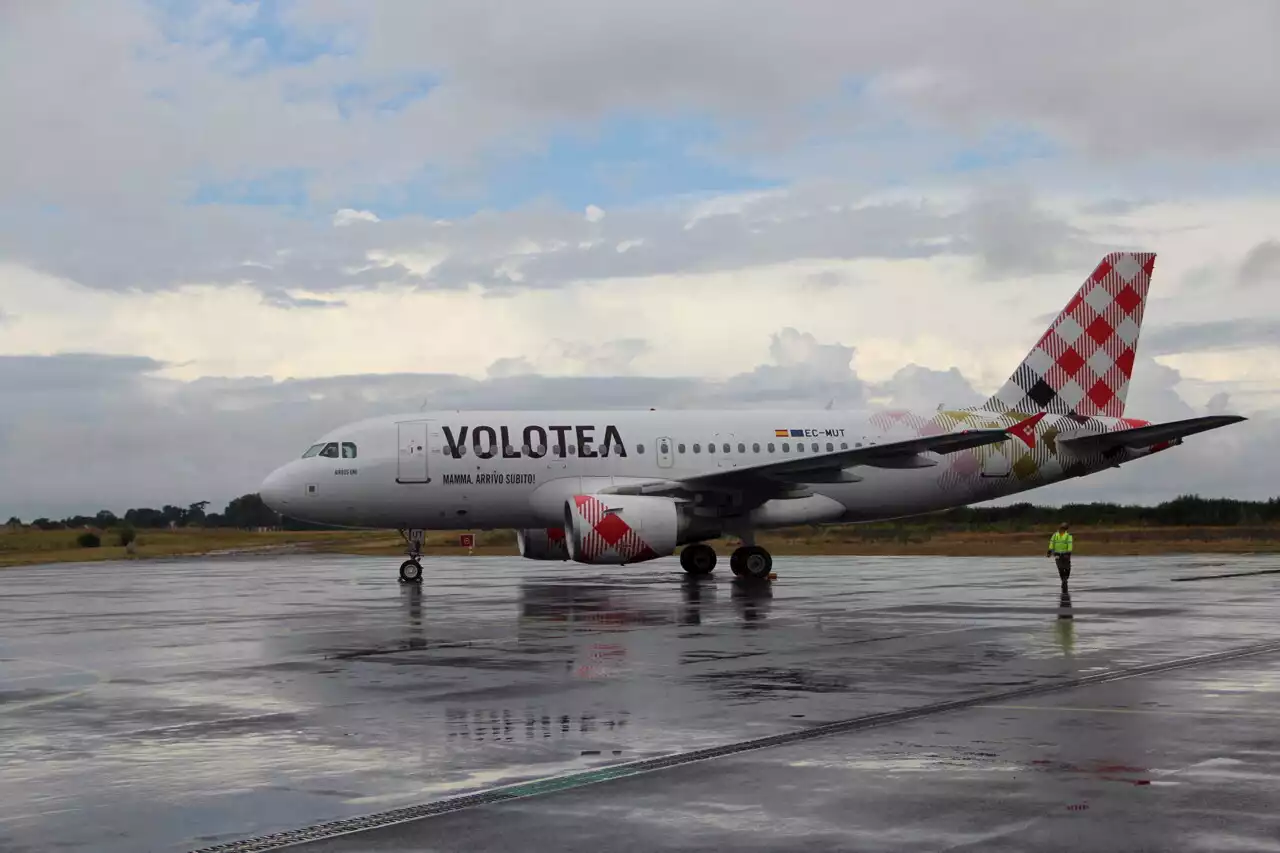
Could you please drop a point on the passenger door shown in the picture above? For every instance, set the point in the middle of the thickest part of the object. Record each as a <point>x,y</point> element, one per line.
<point>414,447</point>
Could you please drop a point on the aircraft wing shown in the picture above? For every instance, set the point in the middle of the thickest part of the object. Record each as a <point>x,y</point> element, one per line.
<point>824,467</point>
<point>1138,437</point>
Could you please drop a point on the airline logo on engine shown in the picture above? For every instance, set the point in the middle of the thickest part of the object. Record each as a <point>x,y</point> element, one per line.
<point>534,442</point>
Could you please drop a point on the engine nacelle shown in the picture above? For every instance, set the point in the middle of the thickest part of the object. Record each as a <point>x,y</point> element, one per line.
<point>617,529</point>
<point>542,544</point>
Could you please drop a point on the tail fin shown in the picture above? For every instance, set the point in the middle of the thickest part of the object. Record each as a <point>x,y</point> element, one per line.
<point>1082,364</point>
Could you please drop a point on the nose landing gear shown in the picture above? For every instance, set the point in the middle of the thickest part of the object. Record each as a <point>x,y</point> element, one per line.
<point>411,569</point>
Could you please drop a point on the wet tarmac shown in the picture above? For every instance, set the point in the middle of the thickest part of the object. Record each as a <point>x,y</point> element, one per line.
<point>858,703</point>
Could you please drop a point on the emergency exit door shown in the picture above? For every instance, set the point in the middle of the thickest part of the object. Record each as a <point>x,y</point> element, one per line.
<point>411,465</point>
<point>666,453</point>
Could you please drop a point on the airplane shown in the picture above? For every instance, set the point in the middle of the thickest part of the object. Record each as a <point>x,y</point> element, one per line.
<point>622,487</point>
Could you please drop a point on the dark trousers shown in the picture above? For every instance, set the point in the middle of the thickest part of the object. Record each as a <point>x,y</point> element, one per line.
<point>1064,566</point>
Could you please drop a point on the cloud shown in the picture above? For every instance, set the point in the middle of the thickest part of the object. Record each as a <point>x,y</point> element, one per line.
<point>347,216</point>
<point>1243,333</point>
<point>280,299</point>
<point>1261,267</point>
<point>70,372</point>
<point>1013,237</point>
<point>923,390</point>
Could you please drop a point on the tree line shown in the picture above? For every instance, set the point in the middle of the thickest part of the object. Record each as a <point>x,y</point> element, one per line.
<point>245,512</point>
<point>1184,511</point>
<point>249,512</point>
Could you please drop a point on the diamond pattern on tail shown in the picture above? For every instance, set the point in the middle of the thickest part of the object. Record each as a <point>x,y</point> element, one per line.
<point>1082,364</point>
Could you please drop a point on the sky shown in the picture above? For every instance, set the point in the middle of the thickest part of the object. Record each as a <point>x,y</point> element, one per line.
<point>228,227</point>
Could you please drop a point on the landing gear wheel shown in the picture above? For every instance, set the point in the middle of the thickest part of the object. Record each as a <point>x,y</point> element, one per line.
<point>410,572</point>
<point>698,560</point>
<point>752,563</point>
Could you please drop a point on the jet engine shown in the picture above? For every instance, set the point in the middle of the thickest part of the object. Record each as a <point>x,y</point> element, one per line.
<point>542,544</point>
<point>619,529</point>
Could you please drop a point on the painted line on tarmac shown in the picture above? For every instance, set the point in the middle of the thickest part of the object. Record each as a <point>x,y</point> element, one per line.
<point>99,679</point>
<point>537,787</point>
<point>1229,575</point>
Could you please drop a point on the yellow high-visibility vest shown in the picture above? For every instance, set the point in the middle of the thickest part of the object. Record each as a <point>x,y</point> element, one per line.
<point>1060,543</point>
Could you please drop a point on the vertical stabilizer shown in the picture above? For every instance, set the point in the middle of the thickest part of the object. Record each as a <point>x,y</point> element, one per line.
<point>1082,364</point>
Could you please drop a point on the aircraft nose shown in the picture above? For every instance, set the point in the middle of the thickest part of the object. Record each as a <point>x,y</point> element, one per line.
<point>274,490</point>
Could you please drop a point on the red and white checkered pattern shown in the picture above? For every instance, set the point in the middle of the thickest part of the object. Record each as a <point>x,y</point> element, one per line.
<point>1082,364</point>
<point>605,534</point>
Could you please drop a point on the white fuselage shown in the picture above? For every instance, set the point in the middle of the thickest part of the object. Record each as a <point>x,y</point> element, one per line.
<point>516,469</point>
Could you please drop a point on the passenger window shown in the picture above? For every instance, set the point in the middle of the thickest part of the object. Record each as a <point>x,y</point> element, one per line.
<point>639,448</point>
<point>711,448</point>
<point>555,451</point>
<point>697,448</point>
<point>844,445</point>
<point>664,448</point>
<point>725,448</point>
<point>830,447</point>
<point>771,447</point>
<point>312,451</point>
<point>742,448</point>
<point>573,450</point>
<point>799,447</point>
<point>786,447</point>
<point>815,447</point>
<point>755,448</point>
<point>680,448</point>
<point>330,450</point>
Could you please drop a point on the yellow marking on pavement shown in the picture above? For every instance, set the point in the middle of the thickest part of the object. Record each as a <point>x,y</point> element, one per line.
<point>1070,709</point>
<point>98,679</point>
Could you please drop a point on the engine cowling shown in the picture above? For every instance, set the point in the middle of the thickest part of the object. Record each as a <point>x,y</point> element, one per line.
<point>542,544</point>
<point>618,529</point>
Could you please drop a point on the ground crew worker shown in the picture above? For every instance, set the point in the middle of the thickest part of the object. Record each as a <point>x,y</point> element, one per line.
<point>1060,549</point>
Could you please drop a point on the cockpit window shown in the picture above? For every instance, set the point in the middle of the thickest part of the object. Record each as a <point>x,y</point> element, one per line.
<point>312,451</point>
<point>330,450</point>
<point>348,450</point>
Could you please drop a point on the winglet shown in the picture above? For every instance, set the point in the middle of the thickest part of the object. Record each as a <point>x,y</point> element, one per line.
<point>1026,430</point>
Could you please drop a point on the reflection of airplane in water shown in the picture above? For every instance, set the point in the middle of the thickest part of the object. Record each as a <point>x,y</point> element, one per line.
<point>568,608</point>
<point>595,622</point>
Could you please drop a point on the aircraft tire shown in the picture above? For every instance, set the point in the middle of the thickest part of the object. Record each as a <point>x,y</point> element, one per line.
<point>735,561</point>
<point>697,560</point>
<point>756,563</point>
<point>410,572</point>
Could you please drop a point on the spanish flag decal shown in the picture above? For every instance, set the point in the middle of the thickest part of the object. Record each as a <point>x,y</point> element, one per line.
<point>780,433</point>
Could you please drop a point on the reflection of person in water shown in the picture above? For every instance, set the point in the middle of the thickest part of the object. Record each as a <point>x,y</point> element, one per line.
<point>1066,625</point>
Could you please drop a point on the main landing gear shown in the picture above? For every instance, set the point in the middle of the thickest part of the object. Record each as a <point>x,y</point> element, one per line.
<point>750,562</point>
<point>698,560</point>
<point>411,569</point>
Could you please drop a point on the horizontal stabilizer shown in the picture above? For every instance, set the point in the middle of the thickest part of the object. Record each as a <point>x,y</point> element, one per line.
<point>1145,436</point>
